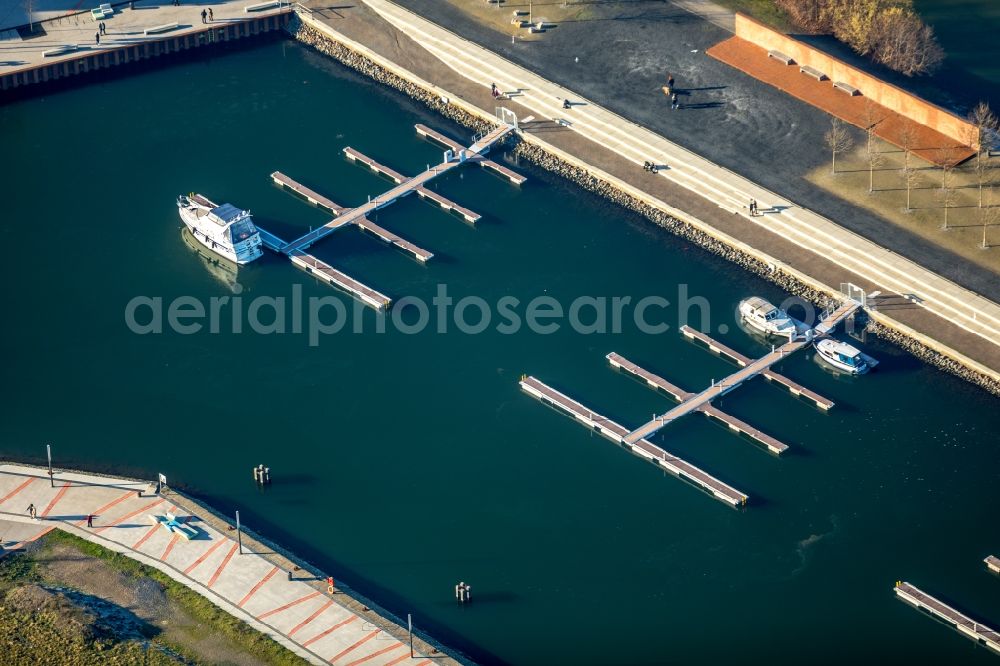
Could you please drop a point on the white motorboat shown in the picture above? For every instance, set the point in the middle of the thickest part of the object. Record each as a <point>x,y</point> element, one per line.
<point>226,230</point>
<point>844,356</point>
<point>766,318</point>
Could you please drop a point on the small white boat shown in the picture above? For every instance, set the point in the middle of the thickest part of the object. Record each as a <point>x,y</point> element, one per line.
<point>844,356</point>
<point>225,230</point>
<point>766,318</point>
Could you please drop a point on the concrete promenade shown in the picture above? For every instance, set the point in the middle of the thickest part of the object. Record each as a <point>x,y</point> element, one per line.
<point>938,312</point>
<point>254,586</point>
<point>125,28</point>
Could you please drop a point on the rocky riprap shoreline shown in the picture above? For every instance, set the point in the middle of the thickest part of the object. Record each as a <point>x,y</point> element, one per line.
<point>580,176</point>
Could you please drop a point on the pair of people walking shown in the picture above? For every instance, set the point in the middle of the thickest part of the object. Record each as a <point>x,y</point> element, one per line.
<point>207,14</point>
<point>754,211</point>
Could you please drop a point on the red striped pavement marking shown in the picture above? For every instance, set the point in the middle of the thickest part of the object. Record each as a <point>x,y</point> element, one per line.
<point>145,536</point>
<point>404,658</point>
<point>379,653</point>
<point>218,572</point>
<point>257,586</point>
<point>204,556</point>
<point>329,631</point>
<point>363,640</point>
<point>170,547</point>
<point>34,538</point>
<point>107,506</point>
<point>52,504</point>
<point>18,489</point>
<point>310,618</point>
<point>129,515</point>
<point>288,605</point>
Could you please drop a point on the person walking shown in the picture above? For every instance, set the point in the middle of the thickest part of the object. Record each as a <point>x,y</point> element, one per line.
<point>31,511</point>
<point>97,38</point>
<point>203,15</point>
<point>673,101</point>
<point>90,520</point>
<point>753,208</point>
<point>211,15</point>
<point>102,28</point>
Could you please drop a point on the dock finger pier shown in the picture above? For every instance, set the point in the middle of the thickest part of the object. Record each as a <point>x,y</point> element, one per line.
<point>456,155</point>
<point>638,440</point>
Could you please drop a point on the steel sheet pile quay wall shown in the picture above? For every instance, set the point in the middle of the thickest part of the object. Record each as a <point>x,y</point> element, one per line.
<point>295,250</point>
<point>974,630</point>
<point>616,433</point>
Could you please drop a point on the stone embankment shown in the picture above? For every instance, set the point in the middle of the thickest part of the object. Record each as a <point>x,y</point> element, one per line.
<point>540,157</point>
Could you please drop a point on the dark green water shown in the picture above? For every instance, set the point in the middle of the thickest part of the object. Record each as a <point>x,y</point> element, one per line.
<point>404,463</point>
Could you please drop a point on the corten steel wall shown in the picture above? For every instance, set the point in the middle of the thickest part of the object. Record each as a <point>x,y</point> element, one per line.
<point>880,92</point>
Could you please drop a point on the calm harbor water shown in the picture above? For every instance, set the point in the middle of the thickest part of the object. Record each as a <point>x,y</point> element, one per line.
<point>404,463</point>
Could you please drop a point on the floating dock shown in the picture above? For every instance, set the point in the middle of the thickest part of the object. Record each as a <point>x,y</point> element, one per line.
<point>993,563</point>
<point>391,238</point>
<point>309,195</point>
<point>452,145</point>
<point>743,361</point>
<point>331,275</point>
<point>616,433</point>
<point>679,394</point>
<point>966,625</point>
<point>295,250</point>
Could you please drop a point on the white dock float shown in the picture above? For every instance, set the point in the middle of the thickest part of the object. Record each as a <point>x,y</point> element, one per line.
<point>309,195</point>
<point>391,238</point>
<point>655,381</point>
<point>331,275</point>
<point>356,156</point>
<point>993,563</point>
<point>644,448</point>
<point>966,625</point>
<point>448,204</point>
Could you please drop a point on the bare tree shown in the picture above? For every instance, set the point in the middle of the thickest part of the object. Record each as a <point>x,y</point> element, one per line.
<point>871,118</point>
<point>838,139</point>
<point>989,216</point>
<point>983,124</point>
<point>907,141</point>
<point>946,194</point>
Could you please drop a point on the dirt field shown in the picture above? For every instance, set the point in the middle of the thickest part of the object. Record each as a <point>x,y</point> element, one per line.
<point>59,598</point>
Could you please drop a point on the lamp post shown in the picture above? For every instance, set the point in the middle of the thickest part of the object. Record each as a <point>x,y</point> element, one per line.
<point>48,452</point>
<point>239,533</point>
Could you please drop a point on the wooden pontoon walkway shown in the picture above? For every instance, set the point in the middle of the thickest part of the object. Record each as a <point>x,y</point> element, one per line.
<point>993,562</point>
<point>295,250</point>
<point>331,275</point>
<point>643,448</point>
<point>421,191</point>
<point>741,360</point>
<point>974,630</point>
<point>733,423</point>
<point>310,196</point>
<point>437,137</point>
<point>750,369</point>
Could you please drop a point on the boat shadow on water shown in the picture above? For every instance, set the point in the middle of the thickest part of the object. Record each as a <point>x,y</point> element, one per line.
<point>220,268</point>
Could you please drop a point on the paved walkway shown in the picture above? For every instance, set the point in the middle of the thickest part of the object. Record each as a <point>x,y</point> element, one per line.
<point>821,241</point>
<point>308,621</point>
<point>125,28</point>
